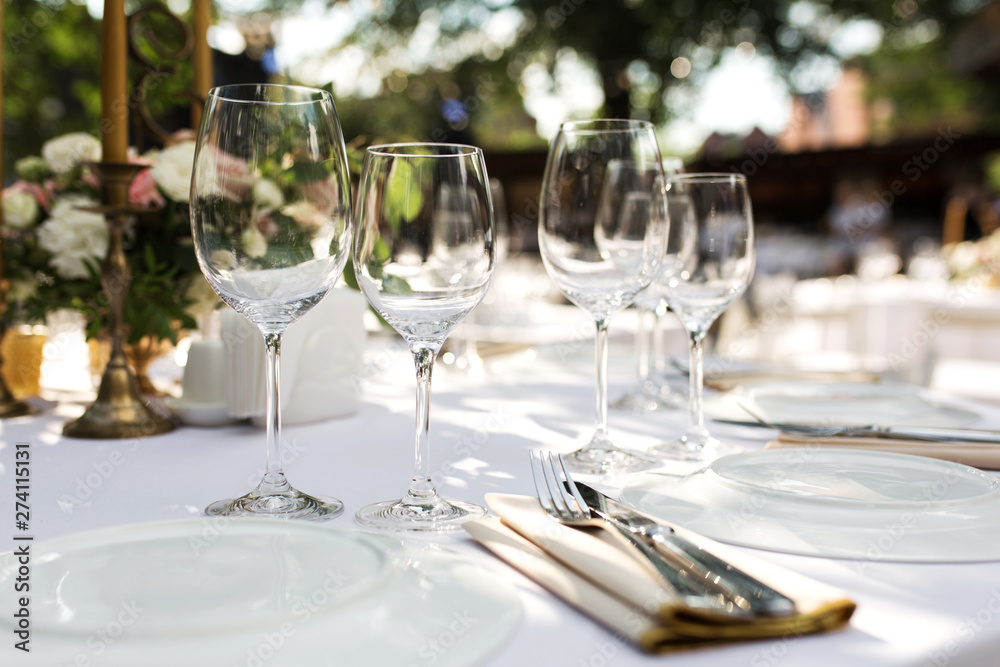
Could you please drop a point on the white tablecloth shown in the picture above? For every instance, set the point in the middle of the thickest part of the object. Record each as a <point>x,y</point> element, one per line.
<point>482,430</point>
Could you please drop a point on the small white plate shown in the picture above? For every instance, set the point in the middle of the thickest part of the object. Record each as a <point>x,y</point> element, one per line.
<point>201,414</point>
<point>230,591</point>
<point>887,404</point>
<point>839,503</point>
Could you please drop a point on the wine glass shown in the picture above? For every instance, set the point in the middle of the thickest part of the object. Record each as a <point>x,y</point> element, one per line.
<point>710,263</point>
<point>601,233</point>
<point>424,256</point>
<point>270,217</point>
<point>651,391</point>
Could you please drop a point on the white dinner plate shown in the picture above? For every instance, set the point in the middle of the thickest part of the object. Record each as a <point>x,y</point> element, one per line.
<point>887,404</point>
<point>839,503</point>
<point>255,591</point>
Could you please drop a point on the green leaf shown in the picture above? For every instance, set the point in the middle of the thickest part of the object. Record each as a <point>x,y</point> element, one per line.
<point>404,198</point>
<point>395,285</point>
<point>306,172</point>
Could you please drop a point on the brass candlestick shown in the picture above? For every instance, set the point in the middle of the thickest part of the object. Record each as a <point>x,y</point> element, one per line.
<point>118,411</point>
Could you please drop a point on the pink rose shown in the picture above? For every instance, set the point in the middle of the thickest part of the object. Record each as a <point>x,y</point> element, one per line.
<point>41,195</point>
<point>90,179</point>
<point>143,190</point>
<point>266,225</point>
<point>139,159</point>
<point>223,174</point>
<point>322,194</point>
<point>180,136</point>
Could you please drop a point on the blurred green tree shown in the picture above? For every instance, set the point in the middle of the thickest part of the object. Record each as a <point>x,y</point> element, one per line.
<point>640,48</point>
<point>51,70</point>
<point>51,55</point>
<point>912,87</point>
<point>477,57</point>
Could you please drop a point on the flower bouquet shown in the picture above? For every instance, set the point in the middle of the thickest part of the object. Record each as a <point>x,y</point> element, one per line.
<point>54,247</point>
<point>975,260</point>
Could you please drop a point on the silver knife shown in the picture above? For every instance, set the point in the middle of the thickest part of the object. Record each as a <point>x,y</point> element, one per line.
<point>929,433</point>
<point>745,591</point>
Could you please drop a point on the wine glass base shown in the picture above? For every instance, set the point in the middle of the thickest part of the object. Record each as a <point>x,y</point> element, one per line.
<point>294,505</point>
<point>439,515</point>
<point>701,451</point>
<point>593,460</point>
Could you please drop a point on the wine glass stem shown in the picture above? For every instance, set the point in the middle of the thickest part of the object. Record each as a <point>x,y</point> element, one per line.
<point>274,480</point>
<point>643,338</point>
<point>421,487</point>
<point>659,352</point>
<point>601,362</point>
<point>696,378</point>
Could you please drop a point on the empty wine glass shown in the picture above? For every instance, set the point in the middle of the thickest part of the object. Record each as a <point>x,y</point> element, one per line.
<point>424,256</point>
<point>270,217</point>
<point>601,233</point>
<point>710,263</point>
<point>652,390</point>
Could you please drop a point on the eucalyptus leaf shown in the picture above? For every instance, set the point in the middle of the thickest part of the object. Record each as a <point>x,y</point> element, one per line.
<point>395,285</point>
<point>403,199</point>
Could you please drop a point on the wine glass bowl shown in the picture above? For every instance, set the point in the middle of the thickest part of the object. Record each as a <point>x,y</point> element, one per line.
<point>708,264</point>
<point>271,223</point>
<point>601,233</point>
<point>424,256</point>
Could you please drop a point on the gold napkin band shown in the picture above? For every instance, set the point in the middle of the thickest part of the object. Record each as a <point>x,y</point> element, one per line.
<point>984,455</point>
<point>602,577</point>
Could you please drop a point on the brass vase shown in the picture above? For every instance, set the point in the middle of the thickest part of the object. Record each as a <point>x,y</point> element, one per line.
<point>139,355</point>
<point>22,352</point>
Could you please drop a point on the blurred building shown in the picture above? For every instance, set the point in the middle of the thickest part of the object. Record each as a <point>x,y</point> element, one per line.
<point>837,118</point>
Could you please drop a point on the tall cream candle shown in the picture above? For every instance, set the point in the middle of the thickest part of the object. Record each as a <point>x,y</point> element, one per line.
<point>201,58</point>
<point>3,286</point>
<point>114,83</point>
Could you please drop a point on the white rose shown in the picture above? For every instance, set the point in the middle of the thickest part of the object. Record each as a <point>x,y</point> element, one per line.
<point>268,194</point>
<point>74,236</point>
<point>22,290</point>
<point>64,153</point>
<point>963,257</point>
<point>20,209</point>
<point>254,243</point>
<point>203,298</point>
<point>172,171</point>
<point>223,260</point>
<point>306,215</point>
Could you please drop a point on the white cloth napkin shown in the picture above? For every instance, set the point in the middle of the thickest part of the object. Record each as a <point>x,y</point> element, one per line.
<point>321,361</point>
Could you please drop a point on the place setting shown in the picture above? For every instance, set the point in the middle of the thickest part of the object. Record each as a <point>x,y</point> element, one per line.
<point>662,587</point>
<point>292,260</point>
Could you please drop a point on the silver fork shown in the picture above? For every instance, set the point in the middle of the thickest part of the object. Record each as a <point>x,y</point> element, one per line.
<point>568,507</point>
